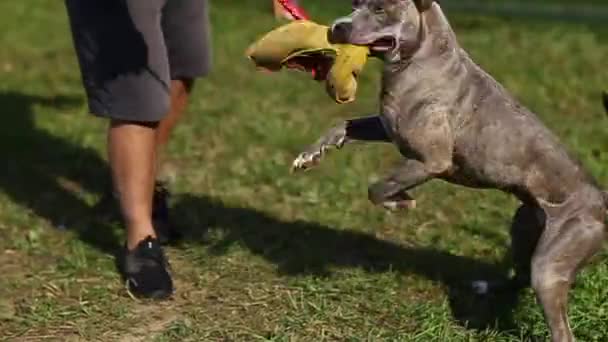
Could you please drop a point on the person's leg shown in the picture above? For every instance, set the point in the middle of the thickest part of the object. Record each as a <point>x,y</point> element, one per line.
<point>188,49</point>
<point>166,232</point>
<point>125,70</point>
<point>132,155</point>
<point>180,91</point>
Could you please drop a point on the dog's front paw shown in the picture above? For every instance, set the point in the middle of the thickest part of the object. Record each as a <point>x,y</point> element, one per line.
<point>306,160</point>
<point>334,139</point>
<point>382,194</point>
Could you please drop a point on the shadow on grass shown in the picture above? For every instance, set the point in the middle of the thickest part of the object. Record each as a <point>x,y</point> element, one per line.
<point>46,173</point>
<point>299,247</point>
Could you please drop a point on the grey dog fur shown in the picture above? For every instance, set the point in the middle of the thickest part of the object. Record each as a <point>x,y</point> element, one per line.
<point>451,120</point>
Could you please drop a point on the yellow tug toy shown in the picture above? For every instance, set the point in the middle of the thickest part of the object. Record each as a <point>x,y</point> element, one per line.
<point>304,45</point>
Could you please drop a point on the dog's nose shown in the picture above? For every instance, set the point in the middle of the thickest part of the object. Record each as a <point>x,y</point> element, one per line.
<point>340,31</point>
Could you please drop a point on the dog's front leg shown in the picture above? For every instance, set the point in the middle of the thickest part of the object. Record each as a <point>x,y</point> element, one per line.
<point>368,129</point>
<point>431,141</point>
<point>390,192</point>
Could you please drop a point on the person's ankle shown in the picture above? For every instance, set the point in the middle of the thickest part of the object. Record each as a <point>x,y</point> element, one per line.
<point>136,234</point>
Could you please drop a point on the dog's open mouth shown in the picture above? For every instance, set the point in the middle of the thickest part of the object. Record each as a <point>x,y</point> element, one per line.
<point>384,44</point>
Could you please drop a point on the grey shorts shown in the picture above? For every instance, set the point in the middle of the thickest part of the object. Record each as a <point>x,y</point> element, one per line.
<point>130,50</point>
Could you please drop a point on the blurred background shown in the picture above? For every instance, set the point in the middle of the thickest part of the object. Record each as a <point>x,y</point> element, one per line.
<point>269,255</point>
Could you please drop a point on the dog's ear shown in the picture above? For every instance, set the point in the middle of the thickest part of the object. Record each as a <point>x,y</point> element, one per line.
<point>423,5</point>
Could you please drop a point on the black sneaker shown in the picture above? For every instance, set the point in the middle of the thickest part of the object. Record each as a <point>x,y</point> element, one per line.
<point>160,214</point>
<point>145,270</point>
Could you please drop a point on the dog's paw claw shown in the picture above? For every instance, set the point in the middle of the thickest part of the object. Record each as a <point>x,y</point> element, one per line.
<point>306,160</point>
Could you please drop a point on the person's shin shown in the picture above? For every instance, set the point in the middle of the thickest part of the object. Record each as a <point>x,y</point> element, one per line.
<point>132,155</point>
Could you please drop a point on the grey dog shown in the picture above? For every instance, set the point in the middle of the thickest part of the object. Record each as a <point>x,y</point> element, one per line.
<point>451,120</point>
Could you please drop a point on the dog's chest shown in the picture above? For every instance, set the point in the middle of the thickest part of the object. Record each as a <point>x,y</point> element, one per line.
<point>392,123</point>
<point>399,106</point>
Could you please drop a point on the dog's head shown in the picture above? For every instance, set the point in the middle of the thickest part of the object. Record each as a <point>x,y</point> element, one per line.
<point>391,28</point>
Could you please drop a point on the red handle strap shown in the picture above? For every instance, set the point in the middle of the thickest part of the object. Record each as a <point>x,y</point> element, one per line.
<point>294,10</point>
<point>318,71</point>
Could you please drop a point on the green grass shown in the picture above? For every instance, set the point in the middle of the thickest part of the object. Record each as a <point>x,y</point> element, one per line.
<point>269,255</point>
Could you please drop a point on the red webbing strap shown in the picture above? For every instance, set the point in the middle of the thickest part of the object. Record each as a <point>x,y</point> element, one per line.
<point>294,10</point>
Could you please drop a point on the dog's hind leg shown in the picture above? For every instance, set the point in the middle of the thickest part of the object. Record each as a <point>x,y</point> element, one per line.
<point>369,129</point>
<point>563,249</point>
<point>526,229</point>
